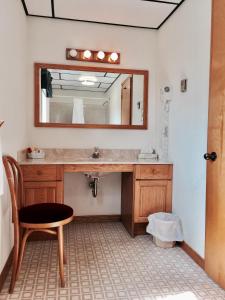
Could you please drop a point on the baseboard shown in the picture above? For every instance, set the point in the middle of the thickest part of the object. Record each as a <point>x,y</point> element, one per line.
<point>194,255</point>
<point>140,228</point>
<point>6,269</point>
<point>97,219</point>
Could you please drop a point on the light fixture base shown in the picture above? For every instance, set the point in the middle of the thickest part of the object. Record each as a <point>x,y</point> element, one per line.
<point>94,57</point>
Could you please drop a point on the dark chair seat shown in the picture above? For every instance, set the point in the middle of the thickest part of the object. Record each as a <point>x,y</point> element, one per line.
<point>45,213</point>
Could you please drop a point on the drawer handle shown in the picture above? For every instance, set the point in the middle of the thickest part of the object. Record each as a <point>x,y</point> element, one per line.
<point>39,172</point>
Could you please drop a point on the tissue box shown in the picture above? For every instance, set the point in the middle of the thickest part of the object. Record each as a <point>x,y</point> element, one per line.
<point>147,156</point>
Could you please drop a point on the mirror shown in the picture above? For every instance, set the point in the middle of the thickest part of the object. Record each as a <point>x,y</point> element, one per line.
<point>91,97</point>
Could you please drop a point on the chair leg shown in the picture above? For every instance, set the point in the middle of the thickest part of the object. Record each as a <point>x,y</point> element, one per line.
<point>60,244</point>
<point>22,248</point>
<point>15,258</point>
<point>64,258</point>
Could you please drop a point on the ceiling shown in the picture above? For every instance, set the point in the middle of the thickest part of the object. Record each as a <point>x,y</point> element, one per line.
<point>72,80</point>
<point>149,14</point>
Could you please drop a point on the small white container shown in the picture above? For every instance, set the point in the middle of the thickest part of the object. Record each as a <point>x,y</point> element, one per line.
<point>36,154</point>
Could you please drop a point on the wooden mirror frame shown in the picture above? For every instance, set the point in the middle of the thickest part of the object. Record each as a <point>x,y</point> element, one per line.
<point>37,123</point>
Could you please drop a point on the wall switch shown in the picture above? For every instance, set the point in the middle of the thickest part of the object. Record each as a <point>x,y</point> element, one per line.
<point>183,86</point>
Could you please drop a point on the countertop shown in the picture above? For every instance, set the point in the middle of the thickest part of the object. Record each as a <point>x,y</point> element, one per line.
<point>84,157</point>
<point>92,162</point>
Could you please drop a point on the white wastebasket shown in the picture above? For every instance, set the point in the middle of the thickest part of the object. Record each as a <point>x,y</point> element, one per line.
<point>166,229</point>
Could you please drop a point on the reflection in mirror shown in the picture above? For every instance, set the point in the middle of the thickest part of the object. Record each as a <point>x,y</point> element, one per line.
<point>91,97</point>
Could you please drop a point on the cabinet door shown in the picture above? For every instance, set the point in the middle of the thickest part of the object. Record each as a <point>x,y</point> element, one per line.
<point>42,192</point>
<point>151,196</point>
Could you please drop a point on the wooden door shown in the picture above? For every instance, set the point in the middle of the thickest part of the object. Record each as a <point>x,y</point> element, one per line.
<point>151,196</point>
<point>126,101</point>
<point>42,192</point>
<point>215,202</point>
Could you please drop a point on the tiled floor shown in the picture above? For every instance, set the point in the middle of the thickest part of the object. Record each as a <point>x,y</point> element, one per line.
<point>104,262</point>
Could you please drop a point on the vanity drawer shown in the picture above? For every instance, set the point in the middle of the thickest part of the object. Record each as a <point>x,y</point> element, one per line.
<point>154,171</point>
<point>42,173</point>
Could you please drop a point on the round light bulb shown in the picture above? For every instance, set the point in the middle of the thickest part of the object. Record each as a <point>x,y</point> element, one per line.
<point>87,53</point>
<point>73,52</point>
<point>114,56</point>
<point>101,55</point>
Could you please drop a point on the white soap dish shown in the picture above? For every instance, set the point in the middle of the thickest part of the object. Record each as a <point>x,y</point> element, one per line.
<point>36,154</point>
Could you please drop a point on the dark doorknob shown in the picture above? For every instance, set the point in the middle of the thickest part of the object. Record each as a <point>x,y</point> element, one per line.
<point>210,156</point>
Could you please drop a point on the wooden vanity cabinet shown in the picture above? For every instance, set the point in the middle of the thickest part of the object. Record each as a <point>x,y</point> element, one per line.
<point>153,193</point>
<point>42,183</point>
<point>151,196</point>
<point>146,189</point>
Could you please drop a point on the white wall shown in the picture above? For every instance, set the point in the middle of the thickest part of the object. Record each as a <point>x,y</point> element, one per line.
<point>138,50</point>
<point>180,49</point>
<point>13,37</point>
<point>138,96</point>
<point>184,52</point>
<point>94,110</point>
<point>79,195</point>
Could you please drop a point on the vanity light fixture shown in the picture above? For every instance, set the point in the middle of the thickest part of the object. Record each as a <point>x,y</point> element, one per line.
<point>114,56</point>
<point>101,55</point>
<point>73,52</point>
<point>87,54</point>
<point>93,56</point>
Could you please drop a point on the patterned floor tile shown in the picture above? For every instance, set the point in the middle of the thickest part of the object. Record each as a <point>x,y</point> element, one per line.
<point>104,263</point>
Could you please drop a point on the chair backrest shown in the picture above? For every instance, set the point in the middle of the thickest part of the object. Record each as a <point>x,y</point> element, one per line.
<point>15,180</point>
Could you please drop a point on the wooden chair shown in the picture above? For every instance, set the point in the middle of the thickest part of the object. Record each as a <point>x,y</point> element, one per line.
<point>46,217</point>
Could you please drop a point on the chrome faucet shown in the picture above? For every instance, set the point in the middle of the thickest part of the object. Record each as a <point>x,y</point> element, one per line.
<point>96,153</point>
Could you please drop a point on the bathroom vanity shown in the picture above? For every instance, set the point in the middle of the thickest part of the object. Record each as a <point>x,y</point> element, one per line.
<point>146,185</point>
<point>69,96</point>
